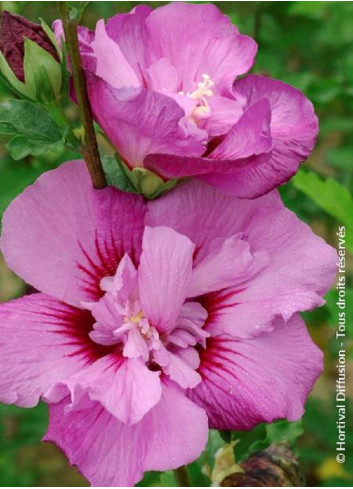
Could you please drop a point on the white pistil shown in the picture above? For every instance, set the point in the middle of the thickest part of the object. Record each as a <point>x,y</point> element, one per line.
<point>204,90</point>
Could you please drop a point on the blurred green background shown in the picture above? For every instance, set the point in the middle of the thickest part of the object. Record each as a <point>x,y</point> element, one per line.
<point>309,45</point>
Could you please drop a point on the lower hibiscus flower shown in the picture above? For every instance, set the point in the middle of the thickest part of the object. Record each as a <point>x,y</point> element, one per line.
<point>158,320</point>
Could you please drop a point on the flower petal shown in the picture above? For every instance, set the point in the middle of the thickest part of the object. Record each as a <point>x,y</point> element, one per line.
<point>206,214</point>
<point>42,341</point>
<point>214,45</point>
<point>140,122</point>
<point>177,430</point>
<point>294,127</point>
<point>164,274</point>
<point>248,143</point>
<point>127,389</point>
<point>230,265</point>
<point>225,112</point>
<point>62,236</point>
<point>250,135</point>
<point>301,270</point>
<point>107,452</point>
<point>130,33</point>
<point>111,454</point>
<point>301,265</point>
<point>111,64</point>
<point>163,77</point>
<point>261,379</point>
<point>251,173</point>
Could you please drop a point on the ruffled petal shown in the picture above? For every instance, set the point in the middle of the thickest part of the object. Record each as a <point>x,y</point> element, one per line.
<point>129,32</point>
<point>231,265</point>
<point>301,270</point>
<point>301,265</point>
<point>225,112</point>
<point>140,122</point>
<point>206,214</point>
<point>164,274</point>
<point>250,136</point>
<point>261,379</point>
<point>111,64</point>
<point>111,454</point>
<point>294,127</point>
<point>214,44</point>
<point>264,148</point>
<point>62,236</point>
<point>42,341</point>
<point>127,389</point>
<point>248,144</point>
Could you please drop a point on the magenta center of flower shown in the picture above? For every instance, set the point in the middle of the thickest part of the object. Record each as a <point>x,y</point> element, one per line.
<point>122,320</point>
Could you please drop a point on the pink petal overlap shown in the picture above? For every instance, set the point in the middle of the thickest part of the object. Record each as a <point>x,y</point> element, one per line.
<point>141,122</point>
<point>112,454</point>
<point>63,237</point>
<point>260,379</point>
<point>125,387</point>
<point>42,341</point>
<point>164,274</point>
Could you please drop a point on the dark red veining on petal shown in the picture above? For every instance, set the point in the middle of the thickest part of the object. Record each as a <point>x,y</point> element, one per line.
<point>216,302</point>
<point>107,262</point>
<point>222,373</point>
<point>108,254</point>
<point>74,325</point>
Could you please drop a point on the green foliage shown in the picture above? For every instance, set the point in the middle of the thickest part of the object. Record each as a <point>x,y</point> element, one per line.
<point>331,196</point>
<point>259,438</point>
<point>136,181</point>
<point>116,174</point>
<point>14,179</point>
<point>19,429</point>
<point>33,129</point>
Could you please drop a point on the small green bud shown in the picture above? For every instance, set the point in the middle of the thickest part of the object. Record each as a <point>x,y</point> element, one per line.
<point>149,184</point>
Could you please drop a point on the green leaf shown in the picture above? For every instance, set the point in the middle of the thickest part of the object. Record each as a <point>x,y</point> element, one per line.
<point>116,174</point>
<point>330,196</point>
<point>284,430</point>
<point>263,435</point>
<point>249,442</point>
<point>19,147</point>
<point>34,129</point>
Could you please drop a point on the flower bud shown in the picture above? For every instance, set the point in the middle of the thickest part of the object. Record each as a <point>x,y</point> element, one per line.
<point>148,183</point>
<point>29,58</point>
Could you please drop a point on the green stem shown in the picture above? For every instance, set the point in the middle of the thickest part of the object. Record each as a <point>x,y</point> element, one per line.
<point>90,147</point>
<point>182,476</point>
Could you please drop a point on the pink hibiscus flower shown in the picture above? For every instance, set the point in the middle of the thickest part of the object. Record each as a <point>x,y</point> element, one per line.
<point>156,320</point>
<point>161,85</point>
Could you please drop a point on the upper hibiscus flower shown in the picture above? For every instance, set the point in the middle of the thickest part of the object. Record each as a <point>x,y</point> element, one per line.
<point>156,320</point>
<point>163,86</point>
